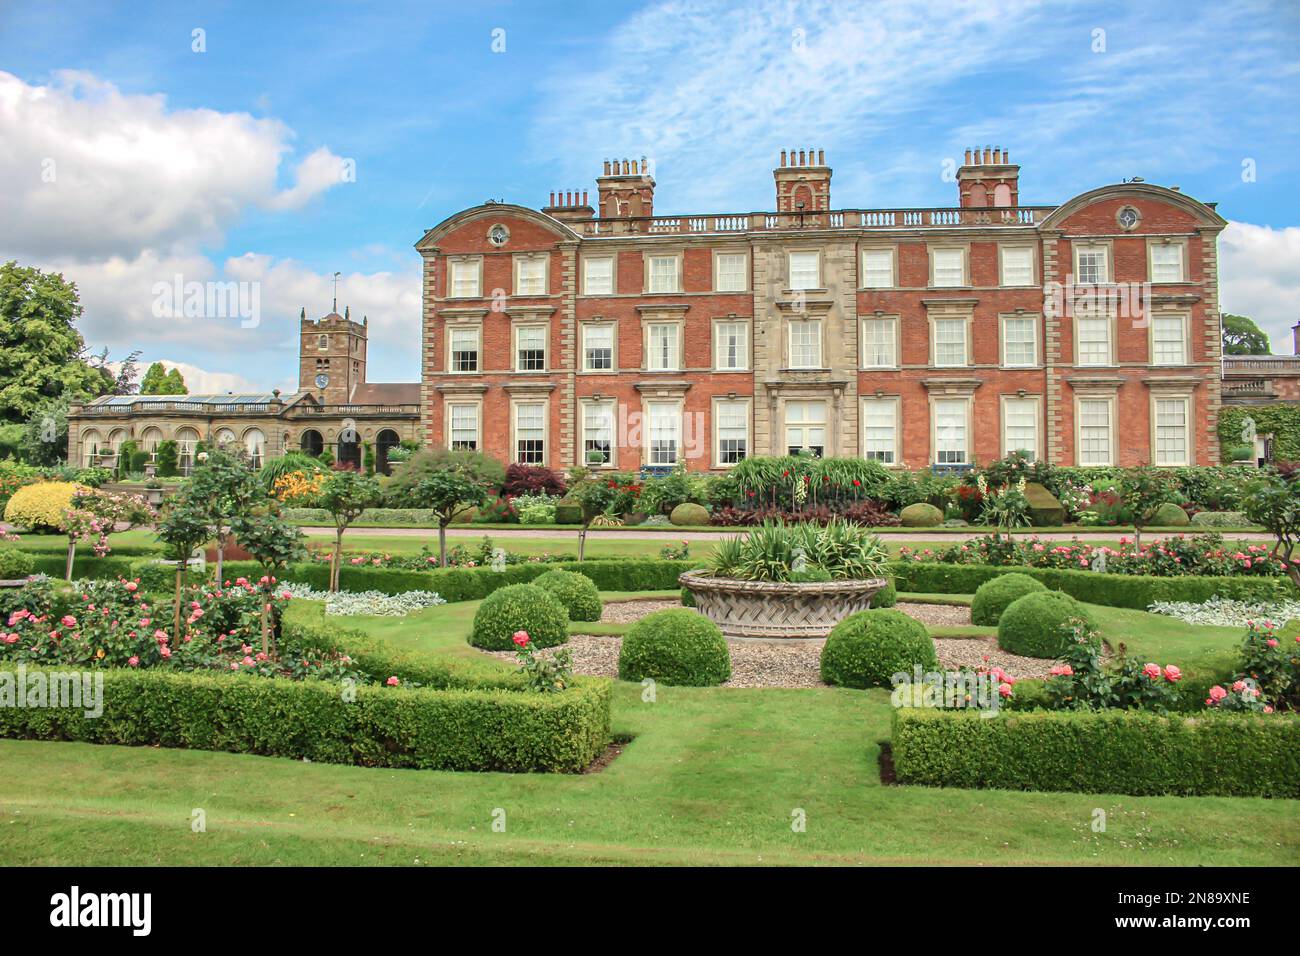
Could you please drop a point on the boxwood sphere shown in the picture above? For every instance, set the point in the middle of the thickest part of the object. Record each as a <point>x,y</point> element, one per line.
<point>995,595</point>
<point>1035,625</point>
<point>921,515</point>
<point>520,607</point>
<point>886,596</point>
<point>866,649</point>
<point>675,646</point>
<point>576,592</point>
<point>1169,515</point>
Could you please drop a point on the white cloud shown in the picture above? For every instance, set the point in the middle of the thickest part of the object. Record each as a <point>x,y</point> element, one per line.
<point>93,173</point>
<point>1259,277</point>
<point>201,381</point>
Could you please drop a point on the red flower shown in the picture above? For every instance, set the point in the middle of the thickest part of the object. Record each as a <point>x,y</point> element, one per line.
<point>521,638</point>
<point>857,483</point>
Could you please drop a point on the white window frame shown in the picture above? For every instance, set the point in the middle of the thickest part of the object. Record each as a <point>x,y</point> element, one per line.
<point>516,405</point>
<point>449,423</point>
<point>531,327</point>
<point>804,255</point>
<point>719,405</point>
<point>588,406</point>
<point>1004,352</point>
<point>1111,427</point>
<point>650,277</point>
<point>1189,455</point>
<point>889,252</point>
<point>719,350</point>
<point>946,320</point>
<point>816,325</point>
<point>653,355</point>
<point>1109,322</point>
<point>472,264</point>
<point>1180,246</point>
<point>894,453</point>
<point>543,281</point>
<point>1033,402</point>
<point>962,252</point>
<point>586,275</point>
<point>718,285</point>
<point>612,327</point>
<point>649,453</point>
<point>1003,280</point>
<point>935,404</point>
<point>890,324</point>
<point>477,332</point>
<point>806,425</point>
<point>1184,325</point>
<point>1107,276</point>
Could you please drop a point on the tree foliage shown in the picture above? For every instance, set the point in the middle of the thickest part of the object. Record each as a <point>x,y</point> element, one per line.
<point>1241,336</point>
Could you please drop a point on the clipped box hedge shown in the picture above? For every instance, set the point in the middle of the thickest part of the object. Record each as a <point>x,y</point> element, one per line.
<point>1108,751</point>
<point>1113,590</point>
<point>419,728</point>
<point>370,518</point>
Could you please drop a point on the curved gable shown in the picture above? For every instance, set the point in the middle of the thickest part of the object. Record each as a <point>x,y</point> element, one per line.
<point>478,219</point>
<point>1142,195</point>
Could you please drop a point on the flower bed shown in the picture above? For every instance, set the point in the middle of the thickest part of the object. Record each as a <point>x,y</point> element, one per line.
<point>1176,556</point>
<point>1222,612</point>
<point>1107,751</point>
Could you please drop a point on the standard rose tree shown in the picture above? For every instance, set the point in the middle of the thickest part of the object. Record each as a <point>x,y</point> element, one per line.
<point>274,544</point>
<point>448,491</point>
<point>345,495</point>
<point>594,495</point>
<point>182,527</point>
<point>1143,491</point>
<point>1274,502</point>
<point>100,513</point>
<point>227,488</point>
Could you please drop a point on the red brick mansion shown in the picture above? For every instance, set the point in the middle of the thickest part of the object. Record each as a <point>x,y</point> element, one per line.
<point>1086,333</point>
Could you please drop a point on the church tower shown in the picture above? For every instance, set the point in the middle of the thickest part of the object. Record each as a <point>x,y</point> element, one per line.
<point>331,357</point>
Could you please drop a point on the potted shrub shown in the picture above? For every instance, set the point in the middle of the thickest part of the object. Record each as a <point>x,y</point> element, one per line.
<point>789,581</point>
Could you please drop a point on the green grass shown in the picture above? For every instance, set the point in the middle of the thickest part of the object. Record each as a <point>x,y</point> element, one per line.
<point>711,776</point>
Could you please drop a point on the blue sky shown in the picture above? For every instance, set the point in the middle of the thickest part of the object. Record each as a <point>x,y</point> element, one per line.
<point>226,163</point>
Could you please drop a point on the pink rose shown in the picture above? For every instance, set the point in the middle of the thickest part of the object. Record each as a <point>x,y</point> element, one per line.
<point>133,661</point>
<point>132,586</point>
<point>1217,693</point>
<point>1271,642</point>
<point>1062,670</point>
<point>1239,686</point>
<point>1172,673</point>
<point>521,638</point>
<point>1152,671</point>
<point>166,652</point>
<point>68,621</point>
<point>1004,690</point>
<point>392,682</point>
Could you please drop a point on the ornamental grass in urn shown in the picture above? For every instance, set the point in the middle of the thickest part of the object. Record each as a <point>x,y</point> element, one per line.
<point>779,582</point>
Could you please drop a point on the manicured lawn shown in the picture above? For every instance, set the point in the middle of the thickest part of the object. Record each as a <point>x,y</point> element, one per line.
<point>711,776</point>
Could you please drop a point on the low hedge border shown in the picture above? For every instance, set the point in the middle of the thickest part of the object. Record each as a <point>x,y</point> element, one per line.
<point>421,728</point>
<point>1109,751</point>
<point>1112,590</point>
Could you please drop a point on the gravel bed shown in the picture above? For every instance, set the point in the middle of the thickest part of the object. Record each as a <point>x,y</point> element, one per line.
<point>798,663</point>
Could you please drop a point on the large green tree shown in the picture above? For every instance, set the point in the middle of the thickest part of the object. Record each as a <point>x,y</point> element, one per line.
<point>1241,336</point>
<point>42,355</point>
<point>159,381</point>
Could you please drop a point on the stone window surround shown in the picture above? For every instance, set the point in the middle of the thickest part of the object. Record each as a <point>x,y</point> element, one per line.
<point>732,319</point>
<point>613,273</point>
<point>1164,313</point>
<point>543,257</point>
<point>1099,389</point>
<point>1036,319</point>
<point>746,272</point>
<point>1033,264</point>
<point>476,260</point>
<point>1079,244</point>
<point>1022,396</point>
<point>715,444</point>
<point>477,405</point>
<point>1180,241</point>
<point>1181,387</point>
<point>520,397</point>
<point>589,401</point>
<point>964,247</point>
<point>821,269</point>
<point>1111,332</point>
<point>612,325</point>
<point>863,249</point>
<point>879,316</point>
<point>649,254</point>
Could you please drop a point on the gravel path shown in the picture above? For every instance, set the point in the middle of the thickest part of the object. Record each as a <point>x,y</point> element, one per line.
<point>798,663</point>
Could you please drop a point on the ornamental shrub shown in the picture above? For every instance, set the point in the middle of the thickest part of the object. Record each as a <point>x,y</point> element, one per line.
<point>886,596</point>
<point>993,597</point>
<point>1170,515</point>
<point>15,564</point>
<point>1038,624</point>
<point>520,607</point>
<point>689,514</point>
<point>921,515</point>
<point>576,592</point>
<point>568,511</point>
<point>676,646</point>
<point>866,649</point>
<point>40,507</point>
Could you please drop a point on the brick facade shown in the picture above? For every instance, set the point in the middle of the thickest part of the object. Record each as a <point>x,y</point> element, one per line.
<point>817,296</point>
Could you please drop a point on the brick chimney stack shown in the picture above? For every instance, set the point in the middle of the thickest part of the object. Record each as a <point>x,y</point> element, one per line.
<point>803,181</point>
<point>1295,333</point>
<point>987,178</point>
<point>569,205</point>
<point>626,189</point>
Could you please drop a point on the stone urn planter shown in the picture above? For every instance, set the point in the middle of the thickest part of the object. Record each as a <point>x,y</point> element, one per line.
<point>770,610</point>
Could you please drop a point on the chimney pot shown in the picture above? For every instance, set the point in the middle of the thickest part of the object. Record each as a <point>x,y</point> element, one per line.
<point>988,155</point>
<point>782,157</point>
<point>821,157</point>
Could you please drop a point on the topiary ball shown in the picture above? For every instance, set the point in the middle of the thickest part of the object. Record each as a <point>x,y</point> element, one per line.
<point>688,598</point>
<point>688,513</point>
<point>1170,515</point>
<point>576,592</point>
<point>886,596</point>
<point>1037,624</point>
<point>995,595</point>
<point>676,646</point>
<point>866,649</point>
<point>568,511</point>
<point>39,507</point>
<point>15,565</point>
<point>921,515</point>
<point>519,607</point>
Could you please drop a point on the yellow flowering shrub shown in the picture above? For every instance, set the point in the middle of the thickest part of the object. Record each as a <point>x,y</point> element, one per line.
<point>296,488</point>
<point>40,507</point>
